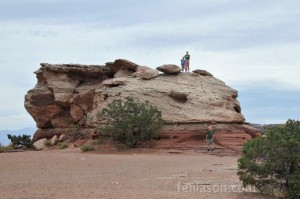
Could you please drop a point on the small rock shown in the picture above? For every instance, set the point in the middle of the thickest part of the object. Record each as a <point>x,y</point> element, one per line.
<point>169,69</point>
<point>202,72</point>
<point>179,96</point>
<point>62,137</point>
<point>40,144</point>
<point>54,140</point>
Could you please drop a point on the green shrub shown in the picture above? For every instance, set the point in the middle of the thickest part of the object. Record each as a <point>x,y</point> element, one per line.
<point>20,141</point>
<point>86,148</point>
<point>62,145</point>
<point>271,163</point>
<point>101,140</point>
<point>130,121</point>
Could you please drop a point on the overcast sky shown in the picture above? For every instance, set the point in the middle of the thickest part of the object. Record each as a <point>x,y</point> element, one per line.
<point>252,45</point>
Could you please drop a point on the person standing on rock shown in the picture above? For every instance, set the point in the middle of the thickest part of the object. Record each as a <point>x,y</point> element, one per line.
<point>187,62</point>
<point>182,64</point>
<point>210,136</point>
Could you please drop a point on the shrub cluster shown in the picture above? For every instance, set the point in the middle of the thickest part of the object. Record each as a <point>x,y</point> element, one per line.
<point>271,163</point>
<point>20,141</point>
<point>130,121</point>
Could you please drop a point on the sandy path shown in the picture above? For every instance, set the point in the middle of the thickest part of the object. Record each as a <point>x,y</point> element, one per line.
<point>71,174</point>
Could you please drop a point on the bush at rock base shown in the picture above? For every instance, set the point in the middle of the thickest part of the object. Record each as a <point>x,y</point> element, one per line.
<point>271,163</point>
<point>131,121</point>
<point>86,148</point>
<point>62,145</point>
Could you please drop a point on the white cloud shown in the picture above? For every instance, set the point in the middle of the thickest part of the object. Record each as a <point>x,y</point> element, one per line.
<point>12,122</point>
<point>244,43</point>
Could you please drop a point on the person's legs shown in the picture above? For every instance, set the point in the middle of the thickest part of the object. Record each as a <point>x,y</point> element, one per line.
<point>209,145</point>
<point>212,146</point>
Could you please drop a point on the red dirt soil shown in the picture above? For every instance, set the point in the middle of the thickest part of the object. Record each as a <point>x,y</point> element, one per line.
<point>139,173</point>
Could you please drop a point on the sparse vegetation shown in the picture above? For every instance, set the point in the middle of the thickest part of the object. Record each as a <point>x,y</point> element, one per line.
<point>131,121</point>
<point>101,140</point>
<point>271,163</point>
<point>47,143</point>
<point>20,141</point>
<point>87,147</point>
<point>121,147</point>
<point>62,145</point>
<point>1,148</point>
<point>75,133</point>
<point>5,148</point>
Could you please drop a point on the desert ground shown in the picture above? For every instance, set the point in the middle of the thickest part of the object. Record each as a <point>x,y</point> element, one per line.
<point>69,173</point>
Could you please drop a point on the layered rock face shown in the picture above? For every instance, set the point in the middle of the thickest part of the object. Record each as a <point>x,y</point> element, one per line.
<point>73,94</point>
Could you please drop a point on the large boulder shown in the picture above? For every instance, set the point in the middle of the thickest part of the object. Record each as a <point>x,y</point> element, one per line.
<point>40,144</point>
<point>169,69</point>
<point>121,64</point>
<point>145,73</point>
<point>73,94</point>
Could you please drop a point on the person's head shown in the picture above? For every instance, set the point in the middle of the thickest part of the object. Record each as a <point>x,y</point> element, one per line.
<point>210,128</point>
<point>187,52</point>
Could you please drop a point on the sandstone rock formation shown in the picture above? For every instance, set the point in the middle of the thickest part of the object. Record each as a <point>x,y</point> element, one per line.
<point>73,94</point>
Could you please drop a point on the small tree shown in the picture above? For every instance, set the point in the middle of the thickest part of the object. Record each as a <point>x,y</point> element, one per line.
<point>271,163</point>
<point>131,121</point>
<point>19,141</point>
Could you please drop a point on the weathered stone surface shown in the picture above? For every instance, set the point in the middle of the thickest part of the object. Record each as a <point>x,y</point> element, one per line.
<point>169,69</point>
<point>62,85</point>
<point>121,64</point>
<point>114,82</point>
<point>40,144</point>
<point>202,72</point>
<point>78,70</point>
<point>76,112</point>
<point>62,120</point>
<point>145,73</point>
<point>209,99</point>
<point>47,133</point>
<point>85,100</point>
<point>123,73</point>
<point>192,136</point>
<point>41,105</point>
<point>179,96</point>
<point>80,92</point>
<point>54,140</point>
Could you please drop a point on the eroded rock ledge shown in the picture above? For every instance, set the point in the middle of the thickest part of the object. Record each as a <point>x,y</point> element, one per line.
<point>72,94</point>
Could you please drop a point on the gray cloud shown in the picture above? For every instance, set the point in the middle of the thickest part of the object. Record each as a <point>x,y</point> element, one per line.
<point>243,43</point>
